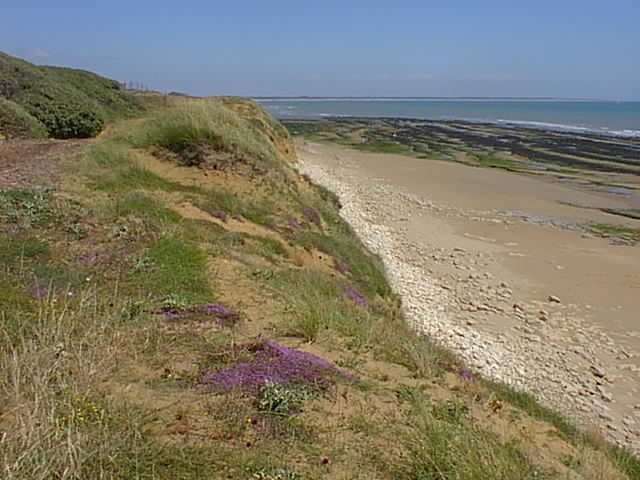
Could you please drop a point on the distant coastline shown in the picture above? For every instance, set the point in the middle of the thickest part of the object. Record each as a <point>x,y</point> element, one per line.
<point>599,117</point>
<point>437,99</point>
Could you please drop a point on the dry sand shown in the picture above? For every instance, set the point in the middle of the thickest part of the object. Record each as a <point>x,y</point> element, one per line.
<point>495,265</point>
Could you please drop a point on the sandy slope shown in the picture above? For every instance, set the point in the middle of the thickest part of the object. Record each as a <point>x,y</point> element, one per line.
<point>476,255</point>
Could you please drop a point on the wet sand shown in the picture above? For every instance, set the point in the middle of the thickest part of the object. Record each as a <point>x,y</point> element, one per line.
<point>511,270</point>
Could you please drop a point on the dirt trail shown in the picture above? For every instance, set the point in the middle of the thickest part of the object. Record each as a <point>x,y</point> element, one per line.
<point>496,266</point>
<point>25,163</point>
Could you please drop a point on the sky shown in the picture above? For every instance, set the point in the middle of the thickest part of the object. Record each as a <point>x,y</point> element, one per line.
<point>542,48</point>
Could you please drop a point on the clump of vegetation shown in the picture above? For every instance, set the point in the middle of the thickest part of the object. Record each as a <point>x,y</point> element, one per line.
<point>490,160</point>
<point>195,129</point>
<point>179,270</point>
<point>25,207</point>
<point>445,445</point>
<point>618,231</point>
<point>274,364</point>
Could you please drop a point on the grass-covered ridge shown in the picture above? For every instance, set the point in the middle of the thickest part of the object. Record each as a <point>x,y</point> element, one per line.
<point>222,321</point>
<point>64,102</point>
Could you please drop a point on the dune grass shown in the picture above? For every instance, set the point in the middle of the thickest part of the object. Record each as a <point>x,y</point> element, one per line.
<point>222,200</point>
<point>187,127</point>
<point>443,444</point>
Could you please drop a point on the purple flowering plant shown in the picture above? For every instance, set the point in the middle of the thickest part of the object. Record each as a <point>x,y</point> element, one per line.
<point>219,214</point>
<point>223,315</point>
<point>313,215</point>
<point>341,267</point>
<point>270,363</point>
<point>355,295</point>
<point>293,222</point>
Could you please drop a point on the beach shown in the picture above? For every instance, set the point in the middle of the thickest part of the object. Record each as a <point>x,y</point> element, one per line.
<point>496,266</point>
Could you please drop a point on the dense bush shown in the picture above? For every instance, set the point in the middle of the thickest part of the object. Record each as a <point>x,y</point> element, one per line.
<point>65,117</point>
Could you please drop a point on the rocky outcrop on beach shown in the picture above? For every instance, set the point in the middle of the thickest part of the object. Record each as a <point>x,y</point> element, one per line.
<point>546,347</point>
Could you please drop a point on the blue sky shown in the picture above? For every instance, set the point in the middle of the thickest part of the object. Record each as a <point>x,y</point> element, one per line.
<point>560,48</point>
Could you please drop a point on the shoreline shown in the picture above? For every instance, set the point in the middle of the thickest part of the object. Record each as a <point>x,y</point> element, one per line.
<point>544,346</point>
<point>601,132</point>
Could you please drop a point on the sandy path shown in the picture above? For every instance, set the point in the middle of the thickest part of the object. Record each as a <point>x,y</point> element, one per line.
<point>476,255</point>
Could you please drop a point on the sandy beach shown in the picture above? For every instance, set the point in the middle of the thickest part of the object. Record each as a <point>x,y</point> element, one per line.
<point>495,266</point>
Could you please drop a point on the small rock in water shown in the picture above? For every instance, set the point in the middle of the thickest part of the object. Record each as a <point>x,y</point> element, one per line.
<point>554,299</point>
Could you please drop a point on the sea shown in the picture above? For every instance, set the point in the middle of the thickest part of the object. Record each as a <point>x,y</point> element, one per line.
<point>580,116</point>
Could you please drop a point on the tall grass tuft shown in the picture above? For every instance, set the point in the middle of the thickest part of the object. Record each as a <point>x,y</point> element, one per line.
<point>206,123</point>
<point>443,444</point>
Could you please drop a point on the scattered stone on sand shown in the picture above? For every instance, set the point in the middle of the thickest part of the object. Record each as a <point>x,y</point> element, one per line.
<point>544,348</point>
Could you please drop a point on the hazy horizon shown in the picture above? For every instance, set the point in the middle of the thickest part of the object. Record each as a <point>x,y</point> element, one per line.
<point>574,50</point>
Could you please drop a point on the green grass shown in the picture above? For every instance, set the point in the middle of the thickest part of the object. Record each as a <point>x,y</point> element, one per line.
<point>145,208</point>
<point>365,270</point>
<point>317,303</point>
<point>13,298</point>
<point>621,231</point>
<point>489,160</point>
<point>26,207</point>
<point>220,200</point>
<point>16,122</point>
<point>622,458</point>
<point>527,403</point>
<point>177,269</point>
<point>112,167</point>
<point>16,249</point>
<point>137,177</point>
<point>451,447</point>
<point>383,146</point>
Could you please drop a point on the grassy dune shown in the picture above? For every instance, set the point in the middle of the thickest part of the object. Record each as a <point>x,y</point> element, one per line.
<point>185,305</point>
<point>38,101</point>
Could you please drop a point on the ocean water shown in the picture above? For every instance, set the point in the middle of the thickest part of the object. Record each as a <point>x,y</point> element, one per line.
<point>603,117</point>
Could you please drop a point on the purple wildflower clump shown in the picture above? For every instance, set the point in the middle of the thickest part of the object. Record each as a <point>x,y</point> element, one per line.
<point>355,295</point>
<point>219,214</point>
<point>293,223</point>
<point>275,363</point>
<point>466,374</point>
<point>343,268</point>
<point>89,258</point>
<point>224,314</point>
<point>313,215</point>
<point>170,312</point>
